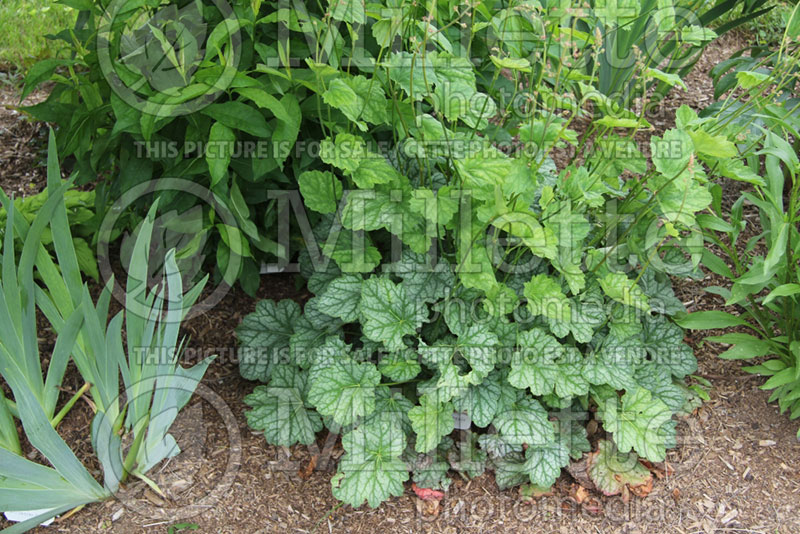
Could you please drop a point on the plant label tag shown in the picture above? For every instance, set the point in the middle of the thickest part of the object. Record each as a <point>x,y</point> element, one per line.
<point>462,420</point>
<point>23,515</point>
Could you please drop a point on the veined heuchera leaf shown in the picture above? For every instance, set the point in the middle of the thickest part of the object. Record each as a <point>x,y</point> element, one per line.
<point>483,401</point>
<point>636,422</point>
<point>388,313</point>
<point>423,281</point>
<point>663,340</point>
<point>477,344</point>
<point>342,297</point>
<point>345,391</point>
<point>279,410</point>
<point>611,470</point>
<point>371,470</point>
<point>391,407</point>
<point>543,462</point>
<point>431,420</point>
<point>263,335</point>
<point>622,289</point>
<point>546,298</point>
<point>525,422</point>
<point>400,366</point>
<point>533,365</point>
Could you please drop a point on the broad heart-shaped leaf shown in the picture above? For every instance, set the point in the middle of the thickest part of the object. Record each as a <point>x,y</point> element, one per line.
<point>400,366</point>
<point>321,191</point>
<point>477,344</point>
<point>413,72</point>
<point>372,209</point>
<point>482,401</point>
<point>615,362</point>
<point>311,331</point>
<point>624,290</point>
<point>658,288</point>
<point>543,462</point>
<point>510,470</point>
<point>496,447</point>
<point>672,152</point>
<point>525,422</point>
<point>342,298</point>
<point>588,314</point>
<point>663,340</point>
<point>569,379</point>
<point>657,380</point>
<point>545,298</point>
<point>431,420</point>
<point>533,364</point>
<point>636,423</point>
<point>391,407</point>
<point>279,411</point>
<point>611,470</point>
<point>351,11</point>
<point>371,470</point>
<point>345,152</point>
<point>359,99</point>
<point>353,252</point>
<point>422,280</point>
<point>388,313</point>
<point>345,390</point>
<point>571,431</point>
<point>263,335</point>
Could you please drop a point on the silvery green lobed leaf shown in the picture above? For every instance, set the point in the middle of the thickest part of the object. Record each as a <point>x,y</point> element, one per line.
<point>663,340</point>
<point>525,422</point>
<point>389,313</point>
<point>263,334</point>
<point>342,297</point>
<point>431,420</point>
<point>344,389</point>
<point>371,470</point>
<point>543,462</point>
<point>635,421</point>
<point>279,410</point>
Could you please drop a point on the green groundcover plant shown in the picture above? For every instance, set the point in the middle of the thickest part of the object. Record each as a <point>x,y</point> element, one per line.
<point>460,281</point>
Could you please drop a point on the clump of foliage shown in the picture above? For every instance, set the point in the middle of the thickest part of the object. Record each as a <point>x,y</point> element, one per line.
<point>155,387</point>
<point>457,285</point>
<point>130,111</point>
<point>82,222</point>
<point>186,90</point>
<point>762,111</point>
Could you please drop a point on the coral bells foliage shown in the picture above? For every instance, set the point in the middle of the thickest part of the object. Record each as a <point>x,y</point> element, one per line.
<point>504,299</point>
<point>474,307</point>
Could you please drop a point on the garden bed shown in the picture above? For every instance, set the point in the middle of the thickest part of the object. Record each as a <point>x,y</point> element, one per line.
<point>735,469</point>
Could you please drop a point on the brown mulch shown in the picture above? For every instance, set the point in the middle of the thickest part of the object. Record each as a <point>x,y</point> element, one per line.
<point>735,469</point>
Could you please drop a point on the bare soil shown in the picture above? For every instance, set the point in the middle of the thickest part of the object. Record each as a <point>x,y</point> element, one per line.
<point>736,469</point>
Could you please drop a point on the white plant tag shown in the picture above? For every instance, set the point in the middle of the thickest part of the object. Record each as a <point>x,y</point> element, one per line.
<point>24,515</point>
<point>462,420</point>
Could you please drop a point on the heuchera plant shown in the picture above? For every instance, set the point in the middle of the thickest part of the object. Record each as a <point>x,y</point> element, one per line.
<point>460,286</point>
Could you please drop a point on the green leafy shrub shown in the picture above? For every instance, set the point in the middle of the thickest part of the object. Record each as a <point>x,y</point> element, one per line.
<point>129,112</point>
<point>253,64</point>
<point>455,285</point>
